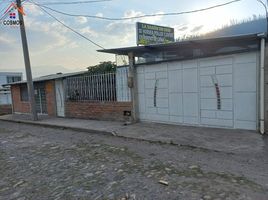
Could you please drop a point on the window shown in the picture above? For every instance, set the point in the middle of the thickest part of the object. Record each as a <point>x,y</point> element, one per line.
<point>24,93</point>
<point>12,79</point>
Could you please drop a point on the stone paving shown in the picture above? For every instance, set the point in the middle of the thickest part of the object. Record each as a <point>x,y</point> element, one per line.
<point>45,163</point>
<point>227,140</point>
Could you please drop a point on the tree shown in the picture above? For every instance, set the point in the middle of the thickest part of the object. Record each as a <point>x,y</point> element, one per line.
<point>102,68</point>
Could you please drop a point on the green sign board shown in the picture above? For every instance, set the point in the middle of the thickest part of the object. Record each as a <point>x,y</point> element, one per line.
<point>153,34</point>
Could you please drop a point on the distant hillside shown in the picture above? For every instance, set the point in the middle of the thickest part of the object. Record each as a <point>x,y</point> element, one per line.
<point>248,26</point>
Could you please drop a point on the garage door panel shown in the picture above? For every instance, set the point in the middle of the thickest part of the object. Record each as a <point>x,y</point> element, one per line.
<point>245,77</point>
<point>176,119</point>
<point>226,69</point>
<point>208,113</point>
<point>162,93</point>
<point>208,104</point>
<point>175,81</point>
<point>162,84</point>
<point>140,83</point>
<point>245,125</point>
<point>226,92</point>
<point>149,102</point>
<point>190,120</point>
<point>190,80</point>
<point>162,103</point>
<point>140,70</point>
<point>224,115</point>
<point>245,106</point>
<point>246,58</point>
<point>158,118</point>
<point>225,79</point>
<point>151,110</point>
<point>206,81</point>
<point>207,71</point>
<point>175,104</point>
<point>149,84</point>
<point>208,92</point>
<point>216,61</point>
<point>190,104</point>
<point>185,92</point>
<point>161,75</point>
<point>156,68</point>
<point>227,104</point>
<point>189,64</point>
<point>150,75</point>
<point>163,111</point>
<point>174,66</point>
<point>141,100</point>
<point>217,122</point>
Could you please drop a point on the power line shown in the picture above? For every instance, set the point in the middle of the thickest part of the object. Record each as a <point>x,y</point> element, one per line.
<point>73,2</point>
<point>140,16</point>
<point>91,41</point>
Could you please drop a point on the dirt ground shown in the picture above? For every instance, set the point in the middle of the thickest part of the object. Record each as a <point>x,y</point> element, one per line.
<point>45,163</point>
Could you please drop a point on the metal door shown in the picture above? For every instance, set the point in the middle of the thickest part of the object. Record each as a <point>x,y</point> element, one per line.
<point>40,99</point>
<point>60,98</point>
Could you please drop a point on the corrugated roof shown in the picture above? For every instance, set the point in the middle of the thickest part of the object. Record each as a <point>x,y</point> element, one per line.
<point>189,43</point>
<point>49,77</point>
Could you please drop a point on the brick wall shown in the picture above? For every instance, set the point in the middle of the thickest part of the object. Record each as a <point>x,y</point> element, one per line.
<point>97,110</point>
<point>24,107</point>
<point>5,109</point>
<point>18,105</point>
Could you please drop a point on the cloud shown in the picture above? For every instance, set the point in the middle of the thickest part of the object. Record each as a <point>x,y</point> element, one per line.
<point>182,28</point>
<point>46,35</point>
<point>99,15</point>
<point>33,10</point>
<point>122,33</point>
<point>197,28</point>
<point>81,20</point>
<point>88,32</point>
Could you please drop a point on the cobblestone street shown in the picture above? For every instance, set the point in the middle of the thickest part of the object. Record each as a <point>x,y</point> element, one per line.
<point>45,163</point>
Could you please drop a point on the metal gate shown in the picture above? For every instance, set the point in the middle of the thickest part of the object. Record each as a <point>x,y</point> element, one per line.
<point>40,99</point>
<point>216,91</point>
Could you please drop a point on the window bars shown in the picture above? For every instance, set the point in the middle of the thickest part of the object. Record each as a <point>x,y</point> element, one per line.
<point>97,87</point>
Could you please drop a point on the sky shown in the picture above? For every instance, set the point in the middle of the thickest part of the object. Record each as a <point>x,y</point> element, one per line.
<point>53,48</point>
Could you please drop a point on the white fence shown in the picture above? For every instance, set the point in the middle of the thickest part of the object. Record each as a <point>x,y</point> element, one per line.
<point>98,87</point>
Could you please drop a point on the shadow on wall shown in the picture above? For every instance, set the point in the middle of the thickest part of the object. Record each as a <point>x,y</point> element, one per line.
<point>5,109</point>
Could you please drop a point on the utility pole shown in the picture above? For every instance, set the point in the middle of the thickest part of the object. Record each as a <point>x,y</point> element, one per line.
<point>27,64</point>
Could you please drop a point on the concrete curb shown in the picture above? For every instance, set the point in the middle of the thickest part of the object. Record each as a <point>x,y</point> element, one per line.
<point>114,134</point>
<point>58,126</point>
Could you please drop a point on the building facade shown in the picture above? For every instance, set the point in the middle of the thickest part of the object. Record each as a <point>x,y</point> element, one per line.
<point>77,95</point>
<point>207,82</point>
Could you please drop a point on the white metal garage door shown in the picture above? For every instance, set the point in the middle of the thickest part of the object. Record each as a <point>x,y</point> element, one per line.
<point>216,91</point>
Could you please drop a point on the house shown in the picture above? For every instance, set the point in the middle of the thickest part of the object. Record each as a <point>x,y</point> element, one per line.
<point>5,94</point>
<point>76,95</point>
<point>216,82</point>
<point>7,77</point>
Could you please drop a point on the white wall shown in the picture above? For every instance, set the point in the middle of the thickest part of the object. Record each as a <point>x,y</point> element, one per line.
<point>186,93</point>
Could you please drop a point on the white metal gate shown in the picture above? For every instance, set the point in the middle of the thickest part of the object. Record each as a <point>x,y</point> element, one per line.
<point>60,100</point>
<point>216,91</point>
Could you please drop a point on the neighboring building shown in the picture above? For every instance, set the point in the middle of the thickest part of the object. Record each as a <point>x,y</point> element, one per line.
<point>210,82</point>
<point>76,95</point>
<point>5,94</point>
<point>7,77</point>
